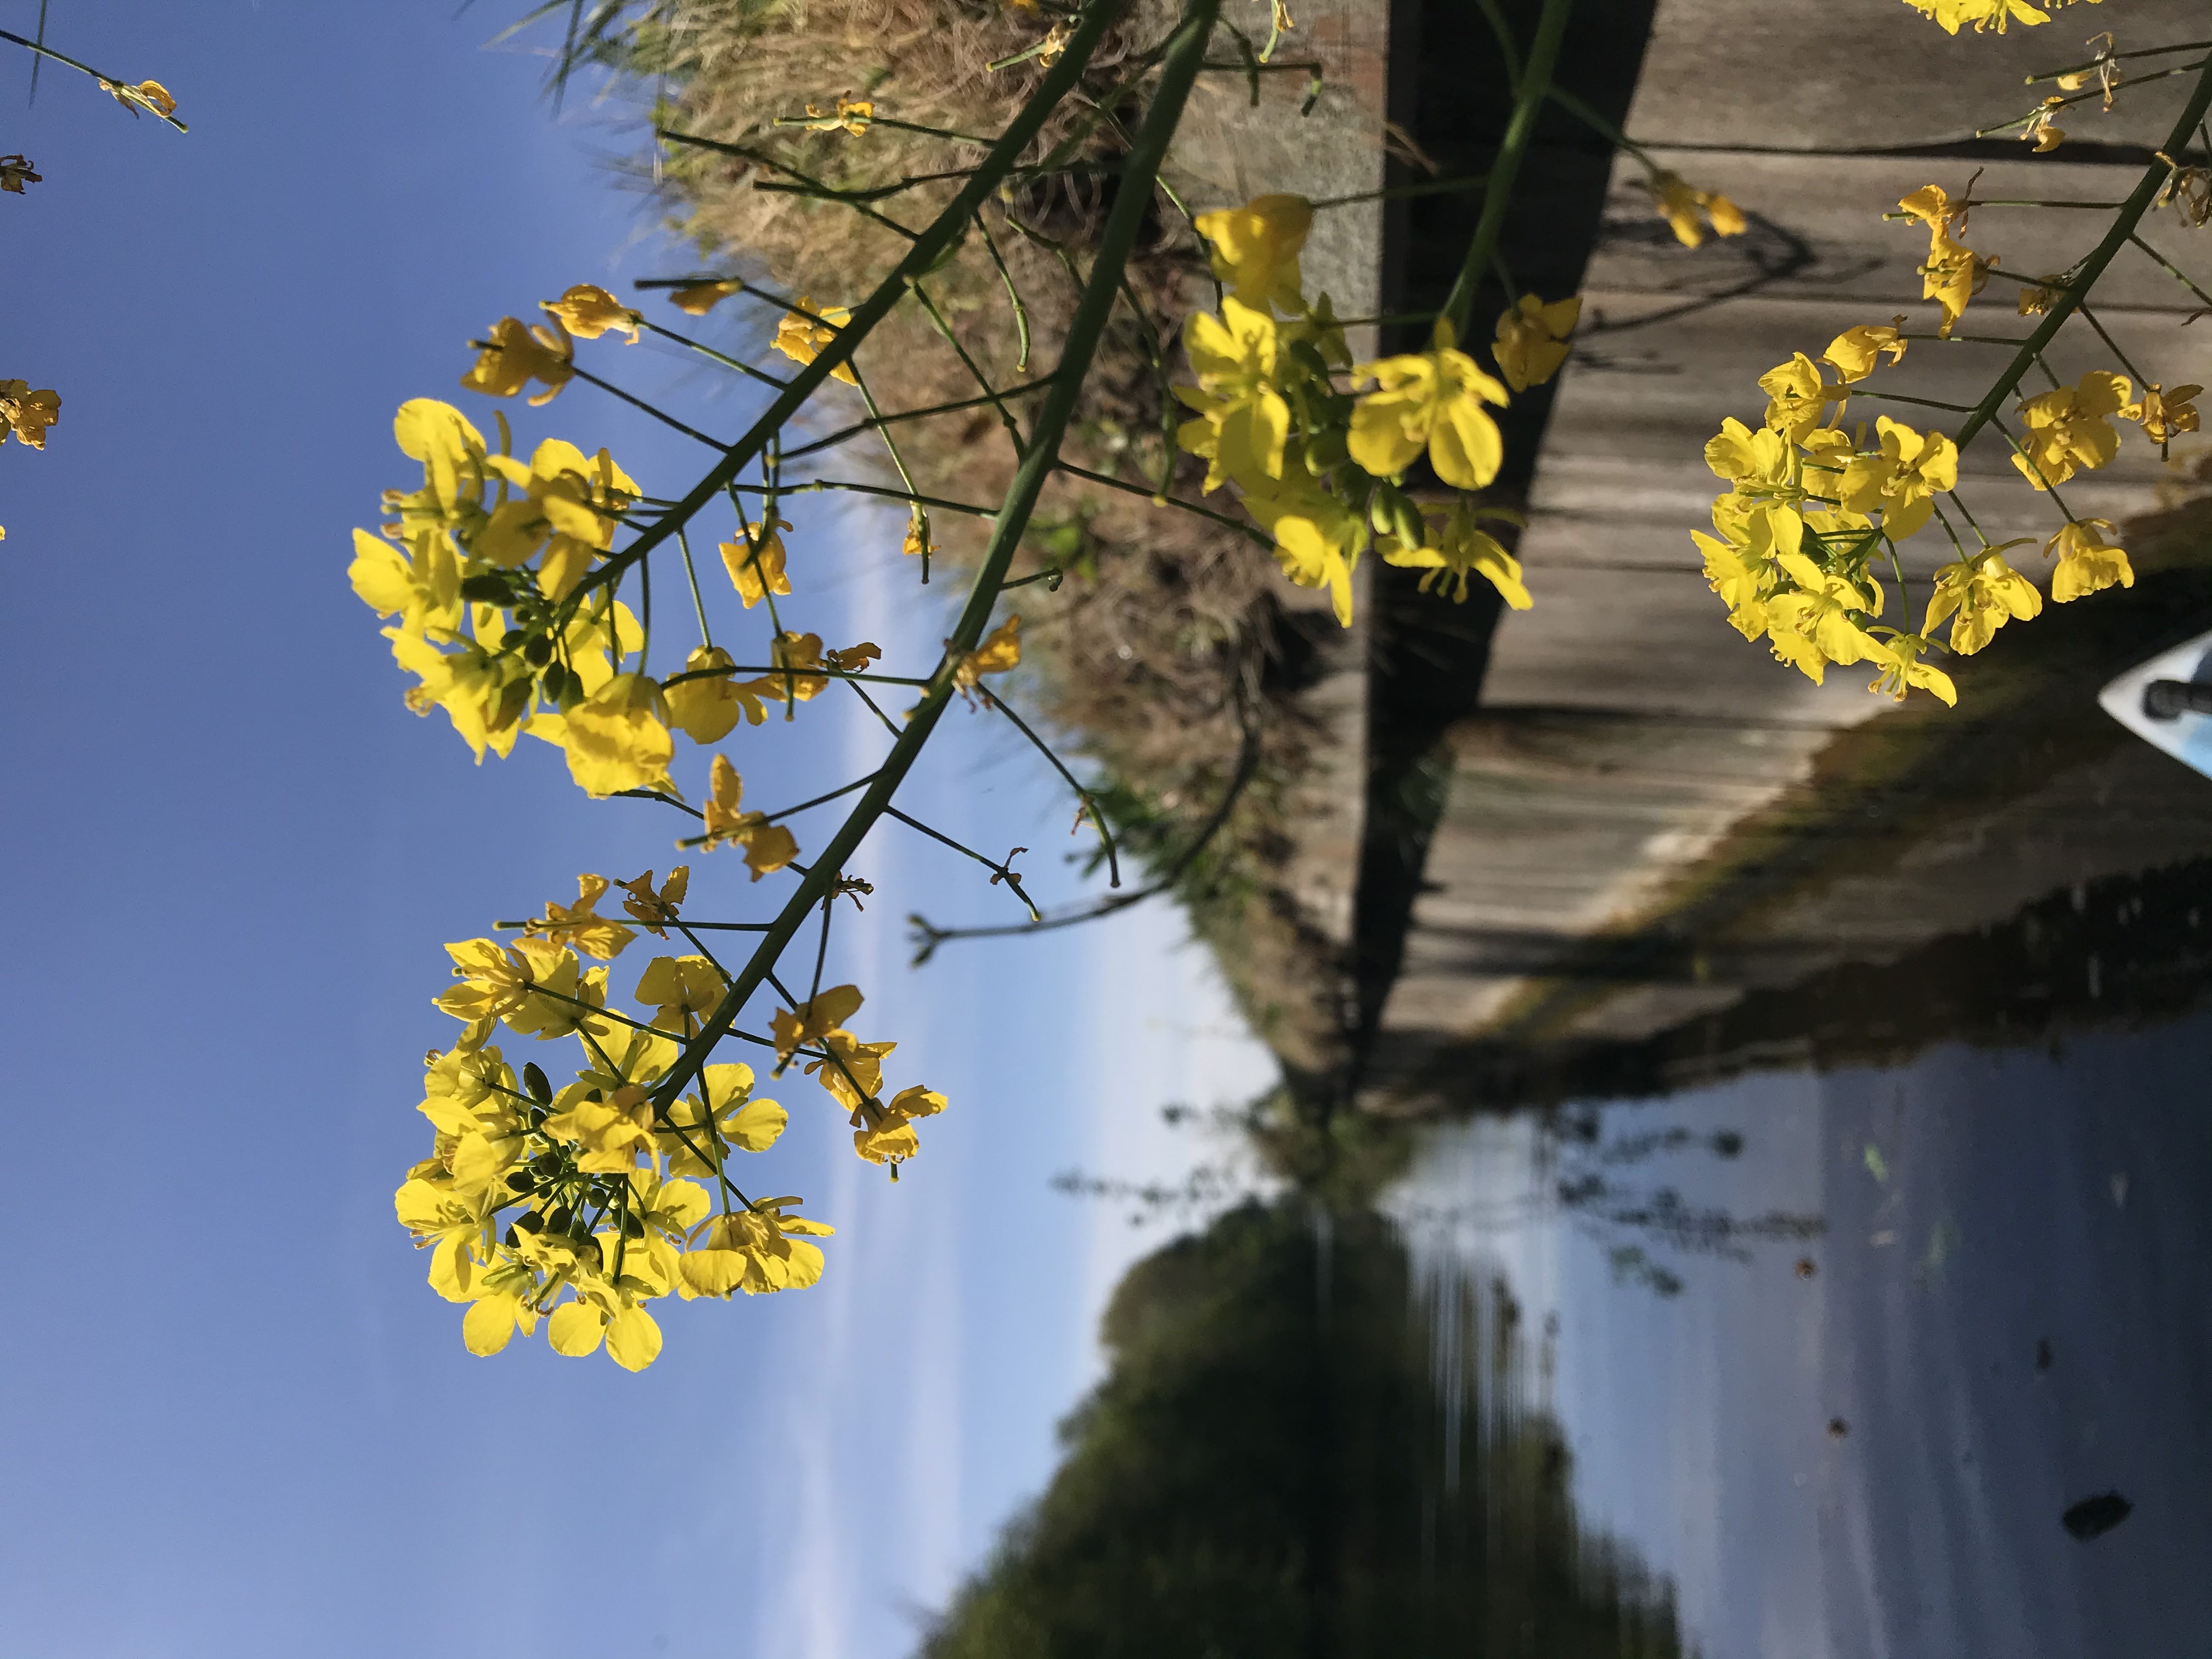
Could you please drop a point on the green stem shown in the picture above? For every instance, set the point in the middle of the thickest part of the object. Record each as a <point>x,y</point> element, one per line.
<point>845,434</point>
<point>898,460</point>
<point>1004,872</point>
<point>1520,128</point>
<point>2085,276</point>
<point>1395,193</point>
<point>1127,489</point>
<point>726,361</point>
<point>43,51</point>
<point>699,604</point>
<point>1123,224</point>
<point>2170,269</point>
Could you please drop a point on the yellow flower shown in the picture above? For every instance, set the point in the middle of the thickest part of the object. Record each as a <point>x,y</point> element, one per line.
<point>1856,350</point>
<point>450,504</point>
<point>570,507</point>
<point>2162,414</point>
<point>1797,398</point>
<point>656,908</point>
<point>579,925</point>
<point>697,299</point>
<point>517,354</point>
<point>1953,273</point>
<point>769,847</point>
<point>609,1132</point>
<point>2042,129</point>
<point>615,738</point>
<point>492,1320</point>
<point>1000,650</point>
<point>1761,463</point>
<point>27,414</point>
<point>612,1312</point>
<point>812,1020</point>
<point>2088,563</point>
<point>1687,211</point>
<point>706,709</point>
<point>15,173</point>
<point>2069,428</point>
<point>850,1069</point>
<point>1986,592</point>
<point>697,1136</point>
<point>757,1251</point>
<point>1433,400</point>
<point>917,541</point>
<point>1909,469</point>
<point>1532,339</point>
<point>457,1231</point>
<point>1318,539</point>
<point>1461,549</point>
<point>588,311</point>
<point>682,991</point>
<point>1984,14</point>
<point>147,95</point>
<point>805,329</point>
<point>1740,560</point>
<point>482,695</point>
<point>1242,421</point>
<point>883,1131</point>
<point>421,585</point>
<point>1822,610</point>
<point>1256,247</point>
<point>756,564</point>
<point>1902,670</point>
<point>796,664</point>
<point>852,116</point>
<point>534,985</point>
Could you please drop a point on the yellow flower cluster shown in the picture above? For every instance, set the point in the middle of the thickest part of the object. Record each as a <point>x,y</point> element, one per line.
<point>853,1072</point>
<point>1796,535</point>
<point>1811,509</point>
<point>1986,15</point>
<point>478,570</point>
<point>27,414</point>
<point>1317,465</point>
<point>576,1205</point>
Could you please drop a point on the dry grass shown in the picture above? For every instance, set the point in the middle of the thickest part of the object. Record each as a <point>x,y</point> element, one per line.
<point>1160,613</point>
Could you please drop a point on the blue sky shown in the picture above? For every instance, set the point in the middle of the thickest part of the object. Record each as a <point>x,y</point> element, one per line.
<point>236,1421</point>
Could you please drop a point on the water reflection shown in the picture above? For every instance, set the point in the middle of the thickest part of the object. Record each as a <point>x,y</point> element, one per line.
<point>1277,1464</point>
<point>1967,1417</point>
<point>1867,1318</point>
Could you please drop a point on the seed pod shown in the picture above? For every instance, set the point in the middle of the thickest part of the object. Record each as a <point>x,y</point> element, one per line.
<point>1383,508</point>
<point>1325,448</point>
<point>511,701</point>
<point>1307,358</point>
<point>1411,529</point>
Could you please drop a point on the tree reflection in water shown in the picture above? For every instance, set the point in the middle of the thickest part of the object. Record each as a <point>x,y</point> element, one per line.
<point>1273,1467</point>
